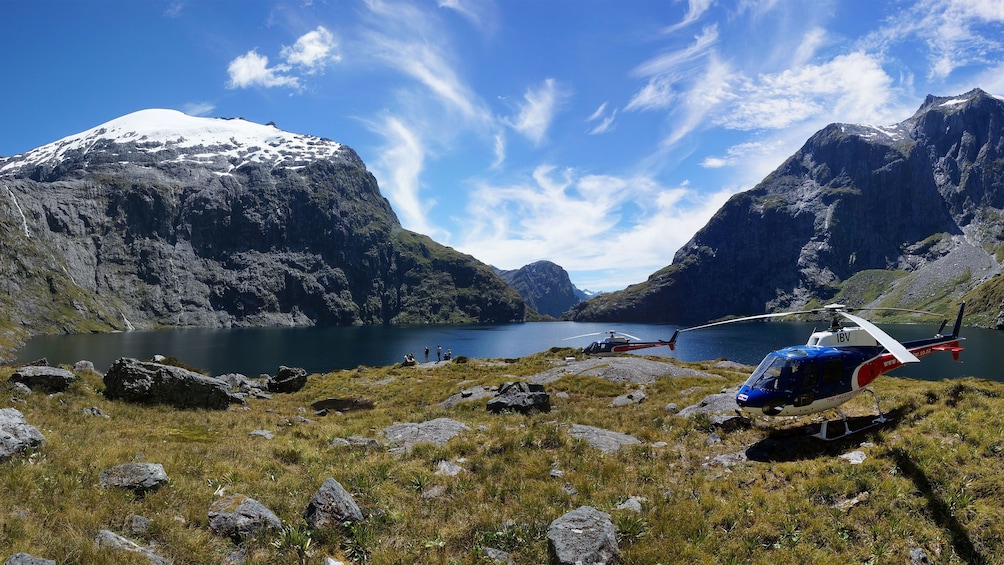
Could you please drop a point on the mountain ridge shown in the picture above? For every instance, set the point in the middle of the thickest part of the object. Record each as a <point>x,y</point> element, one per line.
<point>194,226</point>
<point>923,199</point>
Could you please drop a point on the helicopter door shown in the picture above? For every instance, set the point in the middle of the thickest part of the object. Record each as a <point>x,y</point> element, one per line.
<point>806,378</point>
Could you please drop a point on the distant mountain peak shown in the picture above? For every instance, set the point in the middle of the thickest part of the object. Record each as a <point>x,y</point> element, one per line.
<point>222,144</point>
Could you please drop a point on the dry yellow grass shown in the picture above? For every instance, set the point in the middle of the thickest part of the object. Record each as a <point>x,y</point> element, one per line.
<point>933,476</point>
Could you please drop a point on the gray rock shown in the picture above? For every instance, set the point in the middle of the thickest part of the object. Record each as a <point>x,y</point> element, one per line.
<point>520,397</point>
<point>604,440</point>
<point>152,383</point>
<point>287,379</point>
<point>261,433</point>
<point>109,539</point>
<point>584,536</point>
<point>83,366</point>
<point>20,389</point>
<point>498,556</point>
<point>919,557</point>
<point>239,516</point>
<point>49,379</point>
<point>138,524</point>
<point>137,477</point>
<point>632,504</point>
<point>26,559</point>
<point>721,403</point>
<point>438,432</point>
<point>469,395</point>
<point>448,469</point>
<point>16,436</point>
<point>331,506</point>
<point>94,411</point>
<point>636,397</point>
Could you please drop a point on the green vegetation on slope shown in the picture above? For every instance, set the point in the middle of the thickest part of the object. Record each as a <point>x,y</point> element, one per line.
<point>931,479</point>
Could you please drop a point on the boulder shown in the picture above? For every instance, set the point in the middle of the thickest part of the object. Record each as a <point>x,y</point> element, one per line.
<point>239,516</point>
<point>16,435</point>
<point>331,506</point>
<point>49,379</point>
<point>109,539</point>
<point>152,383</point>
<point>604,440</point>
<point>137,477</point>
<point>583,536</point>
<point>520,397</point>
<point>288,379</point>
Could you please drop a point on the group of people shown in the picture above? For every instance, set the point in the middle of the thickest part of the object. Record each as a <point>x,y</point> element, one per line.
<point>409,359</point>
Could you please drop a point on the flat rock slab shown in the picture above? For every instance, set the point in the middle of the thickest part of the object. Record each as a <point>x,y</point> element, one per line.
<point>49,379</point>
<point>604,440</point>
<point>109,539</point>
<point>137,477</point>
<point>626,369</point>
<point>16,436</point>
<point>438,432</point>
<point>720,403</point>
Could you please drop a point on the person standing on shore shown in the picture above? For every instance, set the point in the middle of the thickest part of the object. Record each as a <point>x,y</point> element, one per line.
<point>439,353</point>
<point>426,353</point>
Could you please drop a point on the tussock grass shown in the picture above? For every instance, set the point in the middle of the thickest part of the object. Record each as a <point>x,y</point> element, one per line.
<point>933,477</point>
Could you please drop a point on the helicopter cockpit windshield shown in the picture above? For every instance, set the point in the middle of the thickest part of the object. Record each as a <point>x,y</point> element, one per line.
<point>775,372</point>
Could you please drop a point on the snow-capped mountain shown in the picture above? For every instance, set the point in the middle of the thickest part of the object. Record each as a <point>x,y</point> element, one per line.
<point>171,136</point>
<point>162,219</point>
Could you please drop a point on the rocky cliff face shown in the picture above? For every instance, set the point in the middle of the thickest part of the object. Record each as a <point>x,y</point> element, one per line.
<point>544,286</point>
<point>161,219</point>
<point>907,215</point>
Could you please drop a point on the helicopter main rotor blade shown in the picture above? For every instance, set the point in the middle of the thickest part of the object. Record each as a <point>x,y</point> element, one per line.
<point>629,336</point>
<point>583,335</point>
<point>894,347</point>
<point>748,318</point>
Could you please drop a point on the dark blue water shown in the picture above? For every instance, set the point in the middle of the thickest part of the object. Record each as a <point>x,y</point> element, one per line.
<point>262,350</point>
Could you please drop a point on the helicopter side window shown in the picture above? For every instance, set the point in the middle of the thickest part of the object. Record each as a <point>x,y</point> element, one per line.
<point>808,374</point>
<point>833,371</point>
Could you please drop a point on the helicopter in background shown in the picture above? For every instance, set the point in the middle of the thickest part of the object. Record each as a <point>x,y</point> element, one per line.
<point>617,342</point>
<point>834,366</point>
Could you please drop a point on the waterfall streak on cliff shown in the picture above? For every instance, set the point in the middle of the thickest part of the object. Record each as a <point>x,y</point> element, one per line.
<point>24,220</point>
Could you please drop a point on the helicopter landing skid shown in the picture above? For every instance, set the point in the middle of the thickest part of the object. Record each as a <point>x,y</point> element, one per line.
<point>881,419</point>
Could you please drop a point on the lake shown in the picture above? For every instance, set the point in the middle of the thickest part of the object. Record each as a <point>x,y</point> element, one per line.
<point>253,351</point>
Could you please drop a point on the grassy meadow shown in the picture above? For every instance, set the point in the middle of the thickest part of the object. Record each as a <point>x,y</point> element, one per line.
<point>932,479</point>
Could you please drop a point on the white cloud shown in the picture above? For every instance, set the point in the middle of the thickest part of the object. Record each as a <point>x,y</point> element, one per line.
<point>399,169</point>
<point>312,51</point>
<point>849,88</point>
<point>606,121</point>
<point>586,224</point>
<point>251,69</point>
<point>667,69</point>
<point>310,54</point>
<point>198,108</point>
<point>694,10</point>
<point>538,110</point>
<point>481,13</point>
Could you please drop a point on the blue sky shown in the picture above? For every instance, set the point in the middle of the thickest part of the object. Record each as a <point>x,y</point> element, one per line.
<point>597,134</point>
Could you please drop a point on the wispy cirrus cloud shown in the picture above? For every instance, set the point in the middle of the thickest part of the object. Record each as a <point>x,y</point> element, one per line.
<point>538,109</point>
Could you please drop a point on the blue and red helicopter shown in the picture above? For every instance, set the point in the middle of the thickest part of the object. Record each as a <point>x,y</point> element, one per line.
<point>834,366</point>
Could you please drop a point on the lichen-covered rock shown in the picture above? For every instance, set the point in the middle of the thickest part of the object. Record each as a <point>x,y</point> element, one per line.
<point>16,435</point>
<point>438,432</point>
<point>584,536</point>
<point>137,477</point>
<point>239,516</point>
<point>520,397</point>
<point>109,539</point>
<point>287,379</point>
<point>331,506</point>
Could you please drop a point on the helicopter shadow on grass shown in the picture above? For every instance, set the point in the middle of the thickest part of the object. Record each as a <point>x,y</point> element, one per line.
<point>797,443</point>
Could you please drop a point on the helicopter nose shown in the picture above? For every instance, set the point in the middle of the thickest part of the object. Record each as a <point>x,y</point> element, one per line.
<point>754,400</point>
